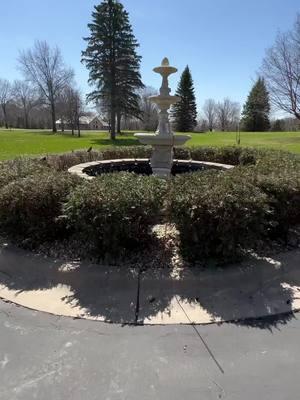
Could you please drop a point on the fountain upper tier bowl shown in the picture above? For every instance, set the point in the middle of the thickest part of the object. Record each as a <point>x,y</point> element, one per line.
<point>155,139</point>
<point>165,70</point>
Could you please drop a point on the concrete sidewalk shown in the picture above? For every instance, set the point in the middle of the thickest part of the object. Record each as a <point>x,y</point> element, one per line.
<point>255,288</point>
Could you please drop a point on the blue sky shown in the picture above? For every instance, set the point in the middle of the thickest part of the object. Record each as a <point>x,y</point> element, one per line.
<point>223,41</point>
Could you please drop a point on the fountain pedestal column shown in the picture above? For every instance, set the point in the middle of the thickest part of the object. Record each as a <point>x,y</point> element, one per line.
<point>162,160</point>
<point>164,140</point>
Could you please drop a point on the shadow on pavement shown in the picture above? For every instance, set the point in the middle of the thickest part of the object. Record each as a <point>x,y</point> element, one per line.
<point>242,294</point>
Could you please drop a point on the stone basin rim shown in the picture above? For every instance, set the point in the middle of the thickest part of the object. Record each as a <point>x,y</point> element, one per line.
<point>79,168</point>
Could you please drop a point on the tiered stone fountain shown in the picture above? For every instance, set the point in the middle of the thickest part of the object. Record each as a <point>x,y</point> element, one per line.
<point>164,140</point>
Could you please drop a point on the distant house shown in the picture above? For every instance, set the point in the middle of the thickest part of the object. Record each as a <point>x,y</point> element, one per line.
<point>92,123</point>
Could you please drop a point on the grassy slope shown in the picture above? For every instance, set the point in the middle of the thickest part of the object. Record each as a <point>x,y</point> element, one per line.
<point>14,143</point>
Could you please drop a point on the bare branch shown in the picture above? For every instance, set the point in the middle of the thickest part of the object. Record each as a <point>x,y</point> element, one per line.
<point>281,69</point>
<point>210,112</point>
<point>44,68</point>
<point>5,98</point>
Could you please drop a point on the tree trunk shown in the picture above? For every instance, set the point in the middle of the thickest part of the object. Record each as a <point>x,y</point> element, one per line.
<point>5,115</point>
<point>26,119</point>
<point>78,127</point>
<point>53,117</point>
<point>119,116</point>
<point>113,124</point>
<point>113,103</point>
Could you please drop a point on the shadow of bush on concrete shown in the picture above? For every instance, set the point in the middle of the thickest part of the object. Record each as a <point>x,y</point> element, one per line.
<point>260,293</point>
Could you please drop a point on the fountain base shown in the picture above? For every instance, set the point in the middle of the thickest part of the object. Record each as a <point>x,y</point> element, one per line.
<point>162,156</point>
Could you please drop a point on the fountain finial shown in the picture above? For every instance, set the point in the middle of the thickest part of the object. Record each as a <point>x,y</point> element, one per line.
<point>165,62</point>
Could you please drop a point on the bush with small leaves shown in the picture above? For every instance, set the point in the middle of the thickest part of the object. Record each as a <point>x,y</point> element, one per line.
<point>114,153</point>
<point>62,162</point>
<point>278,176</point>
<point>20,168</point>
<point>182,153</point>
<point>30,207</point>
<point>217,215</point>
<point>115,212</point>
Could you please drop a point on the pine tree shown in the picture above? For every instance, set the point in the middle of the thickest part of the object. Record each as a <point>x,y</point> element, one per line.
<point>255,116</point>
<point>184,112</point>
<point>113,63</point>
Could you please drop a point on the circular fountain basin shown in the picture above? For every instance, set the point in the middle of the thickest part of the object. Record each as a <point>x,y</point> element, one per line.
<point>140,166</point>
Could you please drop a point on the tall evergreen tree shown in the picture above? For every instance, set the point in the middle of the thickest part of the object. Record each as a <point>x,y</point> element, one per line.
<point>113,63</point>
<point>255,116</point>
<point>184,112</point>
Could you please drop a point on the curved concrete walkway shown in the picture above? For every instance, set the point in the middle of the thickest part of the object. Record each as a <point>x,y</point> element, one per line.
<point>256,288</point>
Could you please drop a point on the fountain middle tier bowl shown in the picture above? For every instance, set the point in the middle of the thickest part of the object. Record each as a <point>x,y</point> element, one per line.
<point>164,101</point>
<point>162,140</point>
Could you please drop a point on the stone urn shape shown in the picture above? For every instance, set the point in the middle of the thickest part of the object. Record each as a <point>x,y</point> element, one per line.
<point>163,140</point>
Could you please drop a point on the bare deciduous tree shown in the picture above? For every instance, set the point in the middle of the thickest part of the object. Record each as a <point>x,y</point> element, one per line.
<point>228,114</point>
<point>25,98</point>
<point>5,98</point>
<point>70,108</point>
<point>44,68</point>
<point>210,112</point>
<point>74,108</point>
<point>148,109</point>
<point>281,69</point>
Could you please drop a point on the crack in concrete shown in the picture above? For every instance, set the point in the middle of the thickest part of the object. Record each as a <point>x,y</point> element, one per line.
<point>137,305</point>
<point>200,337</point>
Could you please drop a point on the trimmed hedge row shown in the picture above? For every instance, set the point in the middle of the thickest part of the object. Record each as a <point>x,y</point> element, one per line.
<point>226,155</point>
<point>218,214</point>
<point>115,212</point>
<point>20,168</point>
<point>31,207</point>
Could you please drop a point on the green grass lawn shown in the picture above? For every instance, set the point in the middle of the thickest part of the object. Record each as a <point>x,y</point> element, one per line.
<point>14,143</point>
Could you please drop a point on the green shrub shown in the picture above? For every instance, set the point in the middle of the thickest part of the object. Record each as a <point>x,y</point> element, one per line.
<point>217,215</point>
<point>30,207</point>
<point>277,175</point>
<point>204,154</point>
<point>182,153</point>
<point>113,153</point>
<point>224,155</point>
<point>116,211</point>
<point>278,162</point>
<point>282,188</point>
<point>283,193</point>
<point>62,162</point>
<point>19,168</point>
<point>232,155</point>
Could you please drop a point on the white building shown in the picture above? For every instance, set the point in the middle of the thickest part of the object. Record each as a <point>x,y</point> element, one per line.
<point>92,123</point>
